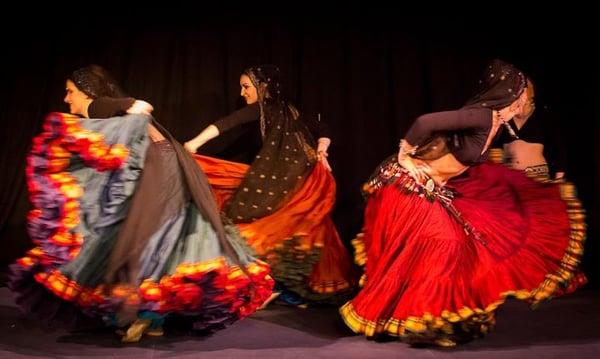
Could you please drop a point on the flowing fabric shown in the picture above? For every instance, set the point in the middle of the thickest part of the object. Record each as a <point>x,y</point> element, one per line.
<point>85,177</point>
<point>428,278</point>
<point>299,241</point>
<point>440,260</point>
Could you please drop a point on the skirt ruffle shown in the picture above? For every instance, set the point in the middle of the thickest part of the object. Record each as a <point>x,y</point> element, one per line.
<point>299,240</point>
<point>82,175</point>
<point>427,279</point>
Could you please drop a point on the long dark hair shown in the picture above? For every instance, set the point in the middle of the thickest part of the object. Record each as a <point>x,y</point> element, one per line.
<point>95,81</point>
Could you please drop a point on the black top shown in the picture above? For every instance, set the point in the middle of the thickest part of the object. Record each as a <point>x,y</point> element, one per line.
<point>540,128</point>
<point>465,132</point>
<point>252,113</point>
<point>105,107</point>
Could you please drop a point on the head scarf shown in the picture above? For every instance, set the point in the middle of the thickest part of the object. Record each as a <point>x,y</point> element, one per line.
<point>95,81</point>
<point>500,85</point>
<point>286,158</point>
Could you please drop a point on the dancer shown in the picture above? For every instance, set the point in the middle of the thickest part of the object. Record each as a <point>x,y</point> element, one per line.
<point>282,202</point>
<point>124,222</point>
<point>447,237</point>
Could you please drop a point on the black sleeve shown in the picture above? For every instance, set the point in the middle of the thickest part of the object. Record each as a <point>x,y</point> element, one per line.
<point>504,136</point>
<point>244,115</point>
<point>464,119</point>
<point>317,127</point>
<point>105,107</point>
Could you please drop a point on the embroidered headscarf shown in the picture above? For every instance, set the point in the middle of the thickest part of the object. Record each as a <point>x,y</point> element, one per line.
<point>500,85</point>
<point>286,158</point>
<point>95,81</point>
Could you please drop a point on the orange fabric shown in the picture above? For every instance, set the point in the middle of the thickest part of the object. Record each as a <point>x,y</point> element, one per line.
<point>302,216</point>
<point>333,272</point>
<point>224,177</point>
<point>305,215</point>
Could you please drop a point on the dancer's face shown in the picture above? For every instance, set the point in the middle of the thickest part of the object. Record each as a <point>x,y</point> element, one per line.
<point>78,101</point>
<point>248,92</point>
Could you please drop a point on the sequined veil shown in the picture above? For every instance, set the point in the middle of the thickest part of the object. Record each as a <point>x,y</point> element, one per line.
<point>287,156</point>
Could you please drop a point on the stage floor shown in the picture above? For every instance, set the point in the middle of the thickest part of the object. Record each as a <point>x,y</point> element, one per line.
<point>564,328</point>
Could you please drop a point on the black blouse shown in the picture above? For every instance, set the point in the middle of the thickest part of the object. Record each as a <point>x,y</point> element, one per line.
<point>252,113</point>
<point>105,107</point>
<point>465,132</point>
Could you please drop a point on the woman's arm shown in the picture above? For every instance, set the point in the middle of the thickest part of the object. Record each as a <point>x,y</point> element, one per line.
<point>206,135</point>
<point>105,107</point>
<point>464,119</point>
<point>418,172</point>
<point>140,107</point>
<point>428,125</point>
<point>320,130</point>
<point>244,115</point>
<point>322,147</point>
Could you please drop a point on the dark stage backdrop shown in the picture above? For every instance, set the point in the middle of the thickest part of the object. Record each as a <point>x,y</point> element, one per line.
<point>369,75</point>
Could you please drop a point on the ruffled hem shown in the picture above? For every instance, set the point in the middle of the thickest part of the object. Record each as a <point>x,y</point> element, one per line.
<point>299,241</point>
<point>194,289</point>
<point>54,192</point>
<point>470,322</point>
<point>210,289</point>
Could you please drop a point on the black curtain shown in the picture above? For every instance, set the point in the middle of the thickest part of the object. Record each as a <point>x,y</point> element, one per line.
<point>368,73</point>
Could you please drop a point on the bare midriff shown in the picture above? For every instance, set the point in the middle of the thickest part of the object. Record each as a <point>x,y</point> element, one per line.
<point>443,169</point>
<point>523,154</point>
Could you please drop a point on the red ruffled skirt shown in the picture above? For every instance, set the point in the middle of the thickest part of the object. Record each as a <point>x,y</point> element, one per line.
<point>428,279</point>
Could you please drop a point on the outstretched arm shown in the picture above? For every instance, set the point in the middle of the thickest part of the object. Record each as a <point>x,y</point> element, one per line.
<point>247,114</point>
<point>206,135</point>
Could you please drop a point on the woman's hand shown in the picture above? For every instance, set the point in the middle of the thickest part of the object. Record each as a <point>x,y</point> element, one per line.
<point>206,135</point>
<point>322,156</point>
<point>191,146</point>
<point>419,171</point>
<point>141,108</point>
<point>322,147</point>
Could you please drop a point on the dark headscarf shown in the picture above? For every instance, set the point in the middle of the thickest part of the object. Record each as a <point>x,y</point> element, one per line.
<point>286,158</point>
<point>95,81</point>
<point>500,85</point>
